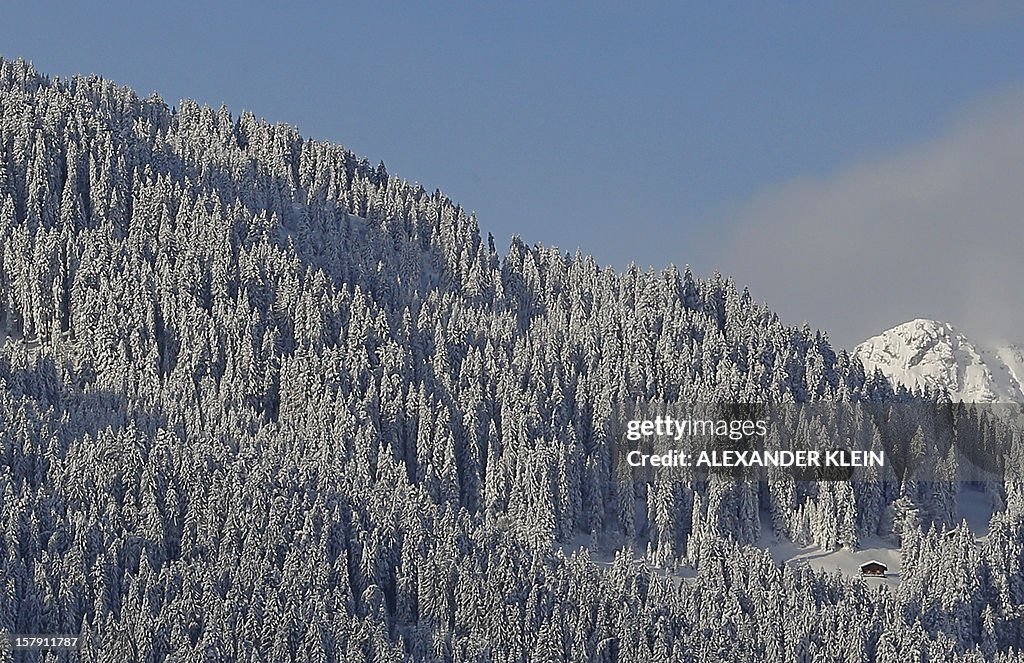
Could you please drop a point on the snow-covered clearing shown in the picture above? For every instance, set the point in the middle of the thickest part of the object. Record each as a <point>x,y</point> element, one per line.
<point>975,506</point>
<point>845,561</point>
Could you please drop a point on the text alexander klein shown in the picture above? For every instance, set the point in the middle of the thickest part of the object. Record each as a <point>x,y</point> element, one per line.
<point>778,458</point>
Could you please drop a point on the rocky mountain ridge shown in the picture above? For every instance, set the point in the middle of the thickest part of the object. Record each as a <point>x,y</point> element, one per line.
<point>936,355</point>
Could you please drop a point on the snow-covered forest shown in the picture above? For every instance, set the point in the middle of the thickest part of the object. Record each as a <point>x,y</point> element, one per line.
<point>261,400</point>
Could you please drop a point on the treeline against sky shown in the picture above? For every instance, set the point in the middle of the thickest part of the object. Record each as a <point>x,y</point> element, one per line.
<point>262,401</point>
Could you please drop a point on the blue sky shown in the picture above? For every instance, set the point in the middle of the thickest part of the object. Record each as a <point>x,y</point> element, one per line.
<point>642,133</point>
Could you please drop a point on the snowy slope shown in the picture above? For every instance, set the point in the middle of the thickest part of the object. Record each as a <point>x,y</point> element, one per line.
<point>929,353</point>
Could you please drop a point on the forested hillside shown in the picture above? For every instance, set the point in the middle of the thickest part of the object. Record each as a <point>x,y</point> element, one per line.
<point>262,401</point>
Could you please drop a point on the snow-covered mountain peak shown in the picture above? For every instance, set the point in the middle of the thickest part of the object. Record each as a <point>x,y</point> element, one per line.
<point>928,353</point>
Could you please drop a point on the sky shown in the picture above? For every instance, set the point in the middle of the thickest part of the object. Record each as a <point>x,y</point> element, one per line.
<point>856,166</point>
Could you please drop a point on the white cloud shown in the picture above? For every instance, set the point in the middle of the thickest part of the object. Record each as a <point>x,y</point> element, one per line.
<point>933,231</point>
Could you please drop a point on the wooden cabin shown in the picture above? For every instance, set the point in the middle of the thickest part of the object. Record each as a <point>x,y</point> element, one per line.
<point>873,569</point>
